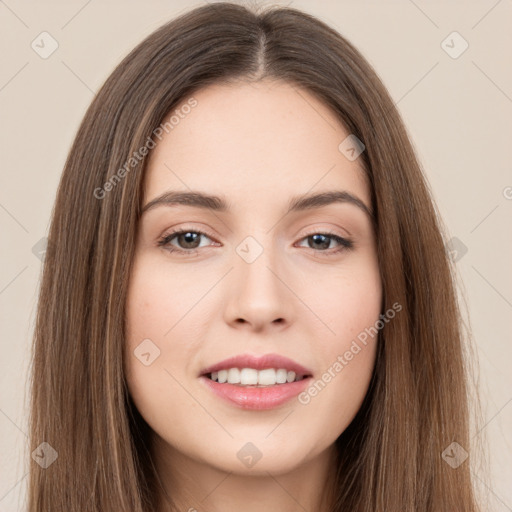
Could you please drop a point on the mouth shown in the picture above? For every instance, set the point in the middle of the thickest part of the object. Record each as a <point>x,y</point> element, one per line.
<point>258,383</point>
<point>251,377</point>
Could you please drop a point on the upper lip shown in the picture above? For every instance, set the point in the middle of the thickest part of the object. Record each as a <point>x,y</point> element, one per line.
<point>258,363</point>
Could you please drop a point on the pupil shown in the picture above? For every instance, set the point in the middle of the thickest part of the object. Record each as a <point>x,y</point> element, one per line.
<point>324,245</point>
<point>189,238</point>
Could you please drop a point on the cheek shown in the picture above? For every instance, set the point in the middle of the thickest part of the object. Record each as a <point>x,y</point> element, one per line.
<point>336,394</point>
<point>154,307</point>
<point>169,307</point>
<point>351,308</point>
<point>156,300</point>
<point>347,302</point>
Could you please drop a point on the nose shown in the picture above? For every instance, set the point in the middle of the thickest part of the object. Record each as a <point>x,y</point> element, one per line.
<point>259,297</point>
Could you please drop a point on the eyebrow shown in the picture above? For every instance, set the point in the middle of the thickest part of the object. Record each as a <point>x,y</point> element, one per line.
<point>298,203</point>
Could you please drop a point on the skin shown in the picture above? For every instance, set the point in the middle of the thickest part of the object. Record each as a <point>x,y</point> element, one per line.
<point>257,145</point>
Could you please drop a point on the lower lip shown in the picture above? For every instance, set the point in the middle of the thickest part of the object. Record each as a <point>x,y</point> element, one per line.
<point>255,398</point>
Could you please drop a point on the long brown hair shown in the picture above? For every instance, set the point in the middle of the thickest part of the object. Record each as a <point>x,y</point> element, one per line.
<point>390,457</point>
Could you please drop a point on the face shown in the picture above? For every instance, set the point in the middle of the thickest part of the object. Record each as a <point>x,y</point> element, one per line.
<point>279,284</point>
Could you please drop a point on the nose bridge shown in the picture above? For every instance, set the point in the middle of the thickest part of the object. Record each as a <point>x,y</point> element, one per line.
<point>259,295</point>
<point>256,264</point>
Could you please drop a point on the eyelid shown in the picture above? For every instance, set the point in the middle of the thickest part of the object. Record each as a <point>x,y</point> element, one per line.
<point>340,231</point>
<point>344,243</point>
<point>205,231</point>
<point>183,229</point>
<point>326,231</point>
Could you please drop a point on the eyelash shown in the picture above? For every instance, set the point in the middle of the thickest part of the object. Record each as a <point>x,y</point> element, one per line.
<point>345,243</point>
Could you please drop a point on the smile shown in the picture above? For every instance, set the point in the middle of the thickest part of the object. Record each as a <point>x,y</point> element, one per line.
<point>253,377</point>
<point>256,382</point>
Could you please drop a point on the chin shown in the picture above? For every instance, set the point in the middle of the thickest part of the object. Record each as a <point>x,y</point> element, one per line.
<point>258,458</point>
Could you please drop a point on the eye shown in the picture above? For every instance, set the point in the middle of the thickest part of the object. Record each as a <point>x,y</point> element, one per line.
<point>188,240</point>
<point>321,242</point>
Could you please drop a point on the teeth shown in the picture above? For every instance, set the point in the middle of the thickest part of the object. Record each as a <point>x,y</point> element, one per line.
<point>248,376</point>
<point>252,377</point>
<point>234,376</point>
<point>281,376</point>
<point>267,377</point>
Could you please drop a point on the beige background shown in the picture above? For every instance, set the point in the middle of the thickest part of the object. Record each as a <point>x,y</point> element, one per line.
<point>458,112</point>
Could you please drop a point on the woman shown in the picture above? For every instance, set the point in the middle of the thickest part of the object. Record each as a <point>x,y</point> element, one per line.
<point>309,355</point>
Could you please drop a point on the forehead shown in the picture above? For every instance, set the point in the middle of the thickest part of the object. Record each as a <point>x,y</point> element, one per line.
<point>269,140</point>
